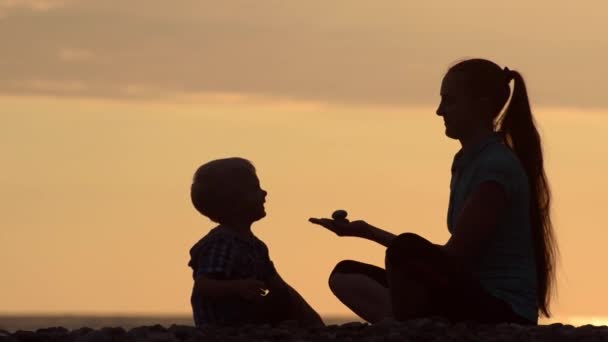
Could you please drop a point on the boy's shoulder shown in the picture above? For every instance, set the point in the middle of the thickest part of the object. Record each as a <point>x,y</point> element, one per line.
<point>212,239</point>
<point>221,233</point>
<point>226,251</point>
<point>214,236</point>
<point>219,236</point>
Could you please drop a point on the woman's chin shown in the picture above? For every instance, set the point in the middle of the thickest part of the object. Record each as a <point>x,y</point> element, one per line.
<point>450,134</point>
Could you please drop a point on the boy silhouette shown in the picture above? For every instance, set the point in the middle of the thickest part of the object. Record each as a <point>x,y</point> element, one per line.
<point>235,282</point>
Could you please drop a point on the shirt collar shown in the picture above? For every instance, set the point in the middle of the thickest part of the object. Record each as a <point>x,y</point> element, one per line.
<point>466,155</point>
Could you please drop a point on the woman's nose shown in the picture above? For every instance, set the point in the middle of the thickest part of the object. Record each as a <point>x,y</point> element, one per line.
<point>439,111</point>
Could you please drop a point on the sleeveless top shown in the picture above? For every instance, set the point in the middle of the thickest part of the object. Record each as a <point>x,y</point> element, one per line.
<point>507,267</point>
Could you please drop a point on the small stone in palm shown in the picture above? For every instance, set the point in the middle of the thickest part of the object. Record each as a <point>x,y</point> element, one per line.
<point>340,215</point>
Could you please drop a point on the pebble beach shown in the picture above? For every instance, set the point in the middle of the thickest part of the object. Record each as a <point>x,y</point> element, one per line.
<point>389,330</point>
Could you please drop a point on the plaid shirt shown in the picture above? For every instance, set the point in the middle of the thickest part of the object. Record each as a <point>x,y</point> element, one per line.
<point>224,255</point>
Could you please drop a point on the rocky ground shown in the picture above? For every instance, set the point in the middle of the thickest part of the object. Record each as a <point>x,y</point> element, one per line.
<point>418,330</point>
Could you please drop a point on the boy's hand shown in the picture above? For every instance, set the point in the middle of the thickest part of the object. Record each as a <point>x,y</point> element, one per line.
<point>250,289</point>
<point>342,227</point>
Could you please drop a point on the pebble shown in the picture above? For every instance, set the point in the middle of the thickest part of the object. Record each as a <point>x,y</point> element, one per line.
<point>81,331</point>
<point>354,325</point>
<point>386,330</point>
<point>339,215</point>
<point>183,332</point>
<point>94,336</point>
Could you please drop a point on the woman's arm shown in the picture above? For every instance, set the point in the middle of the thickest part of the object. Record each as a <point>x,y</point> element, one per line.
<point>378,235</point>
<point>359,228</point>
<point>477,222</point>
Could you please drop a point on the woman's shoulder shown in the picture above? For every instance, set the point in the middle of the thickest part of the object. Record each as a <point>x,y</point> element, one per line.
<point>501,155</point>
<point>499,163</point>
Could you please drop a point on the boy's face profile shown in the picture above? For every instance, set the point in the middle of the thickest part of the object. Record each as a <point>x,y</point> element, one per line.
<point>252,197</point>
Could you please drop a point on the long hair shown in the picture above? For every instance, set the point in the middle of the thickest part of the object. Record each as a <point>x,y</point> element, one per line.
<point>487,79</point>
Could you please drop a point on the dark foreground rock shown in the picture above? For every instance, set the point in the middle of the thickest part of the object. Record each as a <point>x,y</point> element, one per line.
<point>418,330</point>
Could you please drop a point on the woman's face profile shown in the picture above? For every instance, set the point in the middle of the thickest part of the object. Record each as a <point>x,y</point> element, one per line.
<point>456,106</point>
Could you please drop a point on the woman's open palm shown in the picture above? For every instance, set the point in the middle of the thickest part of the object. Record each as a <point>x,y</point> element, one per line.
<point>342,227</point>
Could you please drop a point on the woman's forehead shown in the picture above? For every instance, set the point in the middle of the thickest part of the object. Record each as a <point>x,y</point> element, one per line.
<point>454,83</point>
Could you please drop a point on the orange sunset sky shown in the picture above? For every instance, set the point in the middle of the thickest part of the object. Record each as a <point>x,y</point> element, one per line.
<point>108,107</point>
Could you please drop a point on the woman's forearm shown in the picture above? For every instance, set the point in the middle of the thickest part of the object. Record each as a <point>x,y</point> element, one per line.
<point>378,235</point>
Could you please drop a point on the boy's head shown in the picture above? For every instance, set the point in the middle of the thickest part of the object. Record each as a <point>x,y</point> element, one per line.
<point>228,190</point>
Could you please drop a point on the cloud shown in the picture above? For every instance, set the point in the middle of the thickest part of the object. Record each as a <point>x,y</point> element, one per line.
<point>352,52</point>
<point>34,5</point>
<point>50,86</point>
<point>75,55</point>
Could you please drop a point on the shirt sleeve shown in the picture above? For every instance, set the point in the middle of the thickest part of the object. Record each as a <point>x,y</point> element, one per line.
<point>269,270</point>
<point>499,171</point>
<point>216,257</point>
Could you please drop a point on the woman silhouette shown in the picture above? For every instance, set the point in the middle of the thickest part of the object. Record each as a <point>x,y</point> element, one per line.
<point>499,263</point>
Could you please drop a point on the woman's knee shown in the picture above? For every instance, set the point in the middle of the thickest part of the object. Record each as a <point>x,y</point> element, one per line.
<point>343,267</point>
<point>351,267</point>
<point>346,266</point>
<point>406,246</point>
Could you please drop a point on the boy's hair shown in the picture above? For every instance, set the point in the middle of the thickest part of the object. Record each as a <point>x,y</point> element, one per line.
<point>216,187</point>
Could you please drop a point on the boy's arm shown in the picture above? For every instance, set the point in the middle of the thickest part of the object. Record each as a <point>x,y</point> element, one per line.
<point>299,309</point>
<point>213,267</point>
<point>211,288</point>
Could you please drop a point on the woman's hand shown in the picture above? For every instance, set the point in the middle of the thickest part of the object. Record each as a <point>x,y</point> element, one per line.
<point>343,227</point>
